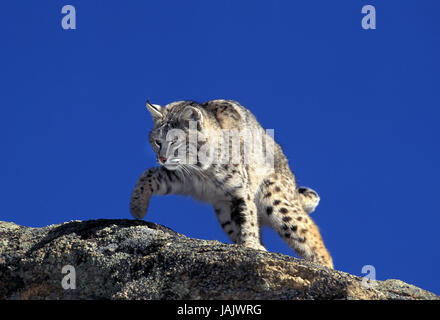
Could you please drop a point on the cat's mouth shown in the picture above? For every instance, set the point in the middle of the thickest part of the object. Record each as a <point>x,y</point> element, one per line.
<point>171,164</point>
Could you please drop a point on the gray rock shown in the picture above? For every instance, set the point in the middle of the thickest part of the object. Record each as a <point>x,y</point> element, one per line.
<point>132,259</point>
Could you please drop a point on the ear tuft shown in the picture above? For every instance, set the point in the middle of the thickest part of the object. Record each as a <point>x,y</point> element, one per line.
<point>155,110</point>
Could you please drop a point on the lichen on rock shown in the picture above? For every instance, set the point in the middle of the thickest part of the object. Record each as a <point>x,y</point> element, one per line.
<point>133,259</point>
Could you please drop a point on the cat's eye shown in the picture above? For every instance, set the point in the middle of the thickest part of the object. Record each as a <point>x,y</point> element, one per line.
<point>157,143</point>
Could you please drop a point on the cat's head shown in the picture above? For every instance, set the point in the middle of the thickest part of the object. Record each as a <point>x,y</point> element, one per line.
<point>175,137</point>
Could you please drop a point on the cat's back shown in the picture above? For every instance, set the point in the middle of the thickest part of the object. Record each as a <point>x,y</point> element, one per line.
<point>230,114</point>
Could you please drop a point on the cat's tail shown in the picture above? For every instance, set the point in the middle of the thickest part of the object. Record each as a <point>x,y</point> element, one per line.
<point>309,199</point>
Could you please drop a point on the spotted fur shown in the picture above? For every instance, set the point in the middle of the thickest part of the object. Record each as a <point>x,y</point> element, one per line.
<point>245,195</point>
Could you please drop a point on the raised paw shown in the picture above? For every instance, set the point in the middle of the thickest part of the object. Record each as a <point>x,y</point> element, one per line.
<point>139,203</point>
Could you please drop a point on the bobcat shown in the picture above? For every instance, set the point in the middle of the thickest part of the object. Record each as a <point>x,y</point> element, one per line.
<point>246,195</point>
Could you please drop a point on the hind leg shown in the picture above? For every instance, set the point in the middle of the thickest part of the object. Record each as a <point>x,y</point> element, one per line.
<point>286,215</point>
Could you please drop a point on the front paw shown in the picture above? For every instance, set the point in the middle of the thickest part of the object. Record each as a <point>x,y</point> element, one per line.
<point>139,204</point>
<point>255,246</point>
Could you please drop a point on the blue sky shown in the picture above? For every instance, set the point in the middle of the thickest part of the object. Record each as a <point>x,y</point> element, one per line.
<point>356,112</point>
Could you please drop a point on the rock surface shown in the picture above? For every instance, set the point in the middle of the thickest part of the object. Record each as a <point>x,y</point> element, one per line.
<point>131,259</point>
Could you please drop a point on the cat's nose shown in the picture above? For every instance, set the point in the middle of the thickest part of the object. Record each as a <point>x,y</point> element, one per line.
<point>163,159</point>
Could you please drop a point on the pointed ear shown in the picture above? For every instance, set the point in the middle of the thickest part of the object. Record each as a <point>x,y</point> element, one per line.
<point>192,114</point>
<point>155,110</point>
